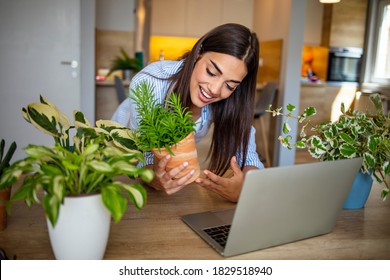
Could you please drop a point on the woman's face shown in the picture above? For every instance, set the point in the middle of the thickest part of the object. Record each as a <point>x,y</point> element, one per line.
<point>215,77</point>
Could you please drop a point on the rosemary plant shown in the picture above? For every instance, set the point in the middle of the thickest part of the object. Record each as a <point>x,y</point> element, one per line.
<point>160,125</point>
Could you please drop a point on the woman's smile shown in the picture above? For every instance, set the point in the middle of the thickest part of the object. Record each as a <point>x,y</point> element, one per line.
<point>215,77</point>
<point>204,95</point>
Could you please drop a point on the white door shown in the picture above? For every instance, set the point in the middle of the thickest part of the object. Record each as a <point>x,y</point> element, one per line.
<point>39,55</point>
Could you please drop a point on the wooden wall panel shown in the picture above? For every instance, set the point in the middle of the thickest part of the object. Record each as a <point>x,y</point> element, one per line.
<point>271,56</point>
<point>344,24</point>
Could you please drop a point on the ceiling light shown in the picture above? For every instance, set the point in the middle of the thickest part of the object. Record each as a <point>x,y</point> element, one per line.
<point>329,1</point>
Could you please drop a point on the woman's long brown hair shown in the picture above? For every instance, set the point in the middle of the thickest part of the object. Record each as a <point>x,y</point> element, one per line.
<point>232,117</point>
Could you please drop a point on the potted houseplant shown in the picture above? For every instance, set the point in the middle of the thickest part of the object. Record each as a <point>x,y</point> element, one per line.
<point>355,134</point>
<point>5,158</point>
<point>85,170</point>
<point>165,129</point>
<point>128,65</point>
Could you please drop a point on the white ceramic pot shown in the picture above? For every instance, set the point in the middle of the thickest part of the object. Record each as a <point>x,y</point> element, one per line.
<point>82,229</point>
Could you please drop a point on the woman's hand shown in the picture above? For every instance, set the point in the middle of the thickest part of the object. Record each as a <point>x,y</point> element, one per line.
<point>228,188</point>
<point>164,180</point>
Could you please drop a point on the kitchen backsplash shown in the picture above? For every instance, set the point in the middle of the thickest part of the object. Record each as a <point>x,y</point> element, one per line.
<point>314,62</point>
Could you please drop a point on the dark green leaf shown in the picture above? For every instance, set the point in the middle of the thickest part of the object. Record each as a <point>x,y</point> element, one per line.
<point>348,150</point>
<point>386,167</point>
<point>43,121</point>
<point>114,201</point>
<point>346,138</point>
<point>290,107</point>
<point>369,159</point>
<point>286,128</point>
<point>372,144</point>
<point>310,111</point>
<point>51,204</point>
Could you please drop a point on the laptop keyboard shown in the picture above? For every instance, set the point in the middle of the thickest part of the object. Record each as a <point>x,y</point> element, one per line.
<point>219,234</point>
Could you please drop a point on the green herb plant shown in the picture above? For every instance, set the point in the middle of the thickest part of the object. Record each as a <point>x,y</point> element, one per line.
<point>355,134</point>
<point>160,125</point>
<point>90,165</point>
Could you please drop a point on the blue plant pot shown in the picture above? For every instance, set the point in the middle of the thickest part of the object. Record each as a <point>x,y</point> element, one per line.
<point>359,192</point>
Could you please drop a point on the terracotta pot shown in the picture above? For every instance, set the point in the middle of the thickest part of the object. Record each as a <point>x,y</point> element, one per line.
<point>4,197</point>
<point>184,151</point>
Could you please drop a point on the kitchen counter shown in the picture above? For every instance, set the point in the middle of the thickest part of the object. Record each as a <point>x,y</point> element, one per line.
<point>111,83</point>
<point>330,84</point>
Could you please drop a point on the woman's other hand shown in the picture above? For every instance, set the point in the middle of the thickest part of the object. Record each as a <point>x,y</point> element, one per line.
<point>229,188</point>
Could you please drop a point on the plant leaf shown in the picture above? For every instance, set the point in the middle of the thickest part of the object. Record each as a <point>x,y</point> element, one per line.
<point>44,118</point>
<point>114,201</point>
<point>147,175</point>
<point>51,204</point>
<point>348,150</point>
<point>372,144</point>
<point>386,167</point>
<point>124,139</point>
<point>286,128</point>
<point>310,111</point>
<point>369,160</point>
<point>100,166</point>
<point>347,138</point>
<point>137,194</point>
<point>290,107</point>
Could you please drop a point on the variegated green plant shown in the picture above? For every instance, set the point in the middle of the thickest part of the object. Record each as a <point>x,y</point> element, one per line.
<point>355,134</point>
<point>97,156</point>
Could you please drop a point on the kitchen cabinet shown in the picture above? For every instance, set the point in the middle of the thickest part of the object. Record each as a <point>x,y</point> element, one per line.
<point>327,99</point>
<point>168,17</point>
<point>313,95</point>
<point>193,18</point>
<point>344,24</point>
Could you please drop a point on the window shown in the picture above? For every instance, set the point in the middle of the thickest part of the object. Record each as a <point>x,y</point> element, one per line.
<point>382,59</point>
<point>378,47</point>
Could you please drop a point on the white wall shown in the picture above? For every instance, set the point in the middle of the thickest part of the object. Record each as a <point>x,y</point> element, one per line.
<point>271,19</point>
<point>115,15</point>
<point>313,23</point>
<point>284,19</point>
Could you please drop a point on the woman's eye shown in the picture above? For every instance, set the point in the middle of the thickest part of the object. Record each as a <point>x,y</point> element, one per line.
<point>210,73</point>
<point>230,87</point>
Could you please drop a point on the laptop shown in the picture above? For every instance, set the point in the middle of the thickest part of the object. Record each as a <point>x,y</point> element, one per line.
<point>279,205</point>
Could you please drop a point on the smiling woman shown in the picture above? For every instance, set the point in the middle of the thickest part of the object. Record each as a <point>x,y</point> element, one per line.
<point>216,82</point>
<point>214,78</point>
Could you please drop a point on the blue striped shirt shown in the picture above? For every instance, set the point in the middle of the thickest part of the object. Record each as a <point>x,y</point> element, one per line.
<point>127,115</point>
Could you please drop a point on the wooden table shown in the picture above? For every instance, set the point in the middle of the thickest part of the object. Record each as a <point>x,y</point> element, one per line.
<point>157,232</point>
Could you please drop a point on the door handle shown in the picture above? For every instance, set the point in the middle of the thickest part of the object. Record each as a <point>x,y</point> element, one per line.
<point>73,63</point>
